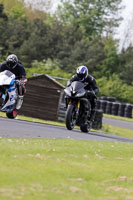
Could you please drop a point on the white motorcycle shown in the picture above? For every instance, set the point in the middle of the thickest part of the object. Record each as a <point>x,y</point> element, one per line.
<point>9,101</point>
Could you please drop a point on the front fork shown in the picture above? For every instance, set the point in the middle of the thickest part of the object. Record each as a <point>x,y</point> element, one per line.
<point>78,105</point>
<point>70,101</point>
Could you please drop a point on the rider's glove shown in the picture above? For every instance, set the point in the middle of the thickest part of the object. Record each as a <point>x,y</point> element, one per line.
<point>17,82</point>
<point>21,82</point>
<point>93,93</point>
<point>90,93</point>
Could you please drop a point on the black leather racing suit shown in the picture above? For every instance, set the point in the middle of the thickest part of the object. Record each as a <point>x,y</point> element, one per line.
<point>91,86</point>
<point>19,72</point>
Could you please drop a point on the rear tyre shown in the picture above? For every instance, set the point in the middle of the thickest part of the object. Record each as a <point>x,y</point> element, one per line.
<point>85,128</point>
<point>70,117</point>
<point>13,114</point>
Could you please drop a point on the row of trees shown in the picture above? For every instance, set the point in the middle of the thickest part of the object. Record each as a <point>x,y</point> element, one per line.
<point>79,32</point>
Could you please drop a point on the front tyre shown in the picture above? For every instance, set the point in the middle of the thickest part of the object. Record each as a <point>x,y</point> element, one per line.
<point>12,114</point>
<point>70,117</point>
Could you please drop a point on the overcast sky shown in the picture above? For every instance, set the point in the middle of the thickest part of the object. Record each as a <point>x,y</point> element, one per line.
<point>129,7</point>
<point>127,12</point>
<point>127,23</point>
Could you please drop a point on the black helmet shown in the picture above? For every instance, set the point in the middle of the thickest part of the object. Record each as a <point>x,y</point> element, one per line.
<point>82,72</point>
<point>12,61</point>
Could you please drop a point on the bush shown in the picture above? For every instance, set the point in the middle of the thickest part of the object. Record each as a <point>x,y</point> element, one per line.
<point>114,87</point>
<point>50,68</point>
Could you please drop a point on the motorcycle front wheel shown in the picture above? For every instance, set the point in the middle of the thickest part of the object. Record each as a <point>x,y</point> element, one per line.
<point>12,114</point>
<point>70,117</point>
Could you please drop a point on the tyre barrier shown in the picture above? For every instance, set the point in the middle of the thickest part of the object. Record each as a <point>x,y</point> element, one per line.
<point>97,124</point>
<point>128,111</point>
<point>121,110</point>
<point>109,108</point>
<point>111,99</point>
<point>98,103</point>
<point>115,107</point>
<point>103,105</point>
<point>103,98</point>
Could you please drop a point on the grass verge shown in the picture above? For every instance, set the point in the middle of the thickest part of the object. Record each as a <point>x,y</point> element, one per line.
<point>118,118</point>
<point>38,169</point>
<point>118,131</point>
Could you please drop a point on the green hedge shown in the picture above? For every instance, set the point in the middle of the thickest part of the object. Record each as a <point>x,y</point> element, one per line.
<point>114,87</point>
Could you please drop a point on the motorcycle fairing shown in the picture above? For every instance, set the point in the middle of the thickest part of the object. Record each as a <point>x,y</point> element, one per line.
<point>10,104</point>
<point>7,78</point>
<point>76,89</point>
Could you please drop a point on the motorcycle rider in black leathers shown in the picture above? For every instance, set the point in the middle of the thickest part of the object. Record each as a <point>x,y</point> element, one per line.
<point>92,88</point>
<point>12,64</point>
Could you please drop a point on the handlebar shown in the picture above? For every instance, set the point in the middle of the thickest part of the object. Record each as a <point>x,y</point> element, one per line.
<point>21,82</point>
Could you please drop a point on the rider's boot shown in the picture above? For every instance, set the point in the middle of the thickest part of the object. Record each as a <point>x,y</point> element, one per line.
<point>19,102</point>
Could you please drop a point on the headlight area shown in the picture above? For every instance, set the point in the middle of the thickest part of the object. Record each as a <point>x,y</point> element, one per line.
<point>67,92</point>
<point>80,94</point>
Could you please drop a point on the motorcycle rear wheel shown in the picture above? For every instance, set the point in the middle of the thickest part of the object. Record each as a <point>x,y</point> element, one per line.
<point>12,114</point>
<point>70,117</point>
<point>85,128</point>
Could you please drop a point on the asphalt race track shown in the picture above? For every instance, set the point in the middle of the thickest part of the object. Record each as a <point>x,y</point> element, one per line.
<point>23,129</point>
<point>120,123</point>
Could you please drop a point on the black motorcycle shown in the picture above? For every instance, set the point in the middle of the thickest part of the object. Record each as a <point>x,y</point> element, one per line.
<point>76,106</point>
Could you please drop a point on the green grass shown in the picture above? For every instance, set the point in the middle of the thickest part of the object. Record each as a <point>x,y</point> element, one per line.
<point>66,169</point>
<point>118,131</point>
<point>57,169</point>
<point>118,117</point>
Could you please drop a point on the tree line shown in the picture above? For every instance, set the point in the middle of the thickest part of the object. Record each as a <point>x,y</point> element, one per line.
<point>79,32</point>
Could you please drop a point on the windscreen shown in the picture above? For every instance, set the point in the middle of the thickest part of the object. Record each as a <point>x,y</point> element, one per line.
<point>76,85</point>
<point>7,73</point>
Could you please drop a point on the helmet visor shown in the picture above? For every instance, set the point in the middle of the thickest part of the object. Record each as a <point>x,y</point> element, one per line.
<point>81,76</point>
